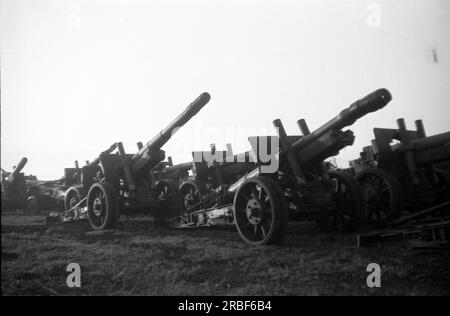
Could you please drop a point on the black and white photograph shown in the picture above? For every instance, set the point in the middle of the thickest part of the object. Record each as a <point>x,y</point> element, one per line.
<point>225,155</point>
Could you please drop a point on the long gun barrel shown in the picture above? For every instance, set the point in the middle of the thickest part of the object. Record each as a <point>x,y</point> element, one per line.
<point>371,103</point>
<point>428,150</point>
<point>104,153</point>
<point>427,143</point>
<point>182,167</point>
<point>17,169</point>
<point>414,146</point>
<point>327,140</point>
<point>142,159</point>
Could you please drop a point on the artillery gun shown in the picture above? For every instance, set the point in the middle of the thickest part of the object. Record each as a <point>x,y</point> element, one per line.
<point>116,182</point>
<point>20,191</point>
<point>403,170</point>
<point>262,201</point>
<point>208,171</point>
<point>14,187</point>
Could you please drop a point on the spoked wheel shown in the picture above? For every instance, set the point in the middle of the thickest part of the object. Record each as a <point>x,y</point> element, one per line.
<point>169,199</point>
<point>192,192</point>
<point>443,185</point>
<point>349,205</point>
<point>103,208</point>
<point>258,211</point>
<point>284,205</point>
<point>72,198</point>
<point>383,196</point>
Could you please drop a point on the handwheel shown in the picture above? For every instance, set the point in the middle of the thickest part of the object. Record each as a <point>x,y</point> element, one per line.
<point>169,199</point>
<point>383,196</point>
<point>103,207</point>
<point>71,198</point>
<point>258,211</point>
<point>349,202</point>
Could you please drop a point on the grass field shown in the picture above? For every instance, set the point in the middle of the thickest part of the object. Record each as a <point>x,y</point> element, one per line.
<point>138,259</point>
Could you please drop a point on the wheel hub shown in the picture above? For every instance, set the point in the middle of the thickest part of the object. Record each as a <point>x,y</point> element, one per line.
<point>254,211</point>
<point>97,206</point>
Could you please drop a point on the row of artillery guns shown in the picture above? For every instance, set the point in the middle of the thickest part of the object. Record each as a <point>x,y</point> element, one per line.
<point>282,178</point>
<point>260,196</point>
<point>402,179</point>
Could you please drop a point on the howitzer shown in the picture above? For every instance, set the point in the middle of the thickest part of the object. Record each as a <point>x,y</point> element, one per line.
<point>400,171</point>
<point>14,187</point>
<point>300,187</point>
<point>19,190</point>
<point>119,182</point>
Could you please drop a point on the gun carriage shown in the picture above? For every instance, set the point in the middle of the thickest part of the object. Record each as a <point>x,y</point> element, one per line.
<point>119,183</point>
<point>261,201</point>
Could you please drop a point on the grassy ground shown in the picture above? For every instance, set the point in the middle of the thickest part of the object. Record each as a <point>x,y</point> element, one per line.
<point>140,260</point>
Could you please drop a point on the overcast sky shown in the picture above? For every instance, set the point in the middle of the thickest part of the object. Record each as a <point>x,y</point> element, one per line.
<point>77,76</point>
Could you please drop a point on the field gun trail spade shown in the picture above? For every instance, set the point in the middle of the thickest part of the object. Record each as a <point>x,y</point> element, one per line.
<point>261,203</point>
<point>119,183</point>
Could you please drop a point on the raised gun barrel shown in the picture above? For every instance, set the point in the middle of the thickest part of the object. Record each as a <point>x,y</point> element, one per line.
<point>370,103</point>
<point>143,158</point>
<point>17,169</point>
